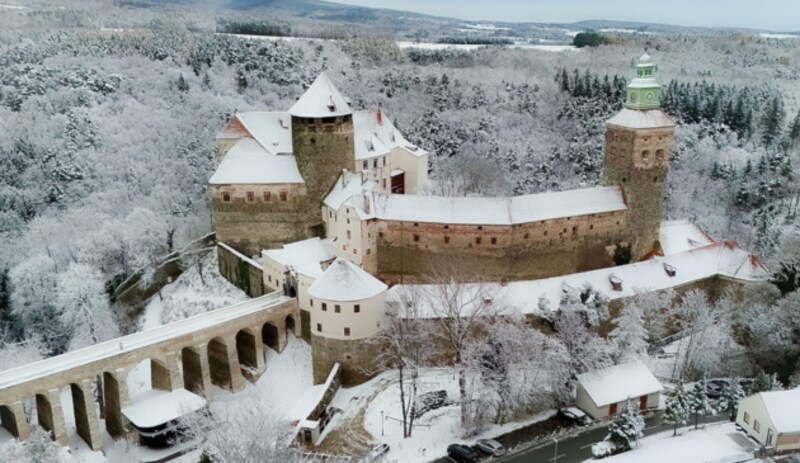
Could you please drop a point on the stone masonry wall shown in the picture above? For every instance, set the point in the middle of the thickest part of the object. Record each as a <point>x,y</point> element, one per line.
<point>356,358</point>
<point>241,273</point>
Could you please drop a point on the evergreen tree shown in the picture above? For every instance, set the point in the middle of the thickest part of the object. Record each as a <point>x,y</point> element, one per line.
<point>794,129</point>
<point>729,398</point>
<point>787,279</point>
<point>627,427</point>
<point>629,335</point>
<point>761,383</point>
<point>183,84</point>
<point>676,411</point>
<point>623,254</point>
<point>698,401</point>
<point>772,122</point>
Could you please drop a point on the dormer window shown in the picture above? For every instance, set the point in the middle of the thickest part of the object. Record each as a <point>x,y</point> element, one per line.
<point>616,282</point>
<point>331,105</point>
<point>671,270</point>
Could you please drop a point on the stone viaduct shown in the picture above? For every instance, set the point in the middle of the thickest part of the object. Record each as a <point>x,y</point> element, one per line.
<point>222,347</point>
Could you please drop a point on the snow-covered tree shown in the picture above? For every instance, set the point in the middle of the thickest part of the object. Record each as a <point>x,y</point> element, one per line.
<point>629,334</point>
<point>698,402</point>
<point>676,408</point>
<point>83,306</point>
<point>38,448</point>
<point>764,382</point>
<point>627,427</point>
<point>729,398</point>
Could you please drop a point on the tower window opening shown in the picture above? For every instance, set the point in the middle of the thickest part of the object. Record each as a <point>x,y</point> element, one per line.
<point>527,235</point>
<point>347,331</point>
<point>267,196</point>
<point>284,195</point>
<point>357,308</point>
<point>478,240</point>
<point>319,326</point>
<point>446,240</point>
<point>494,240</point>
<point>328,120</point>
<point>251,196</point>
<point>624,179</point>
<point>365,165</point>
<point>337,308</point>
<point>313,140</point>
<point>324,307</point>
<point>416,238</point>
<point>226,197</point>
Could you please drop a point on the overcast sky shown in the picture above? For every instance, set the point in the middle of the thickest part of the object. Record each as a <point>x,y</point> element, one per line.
<point>779,15</point>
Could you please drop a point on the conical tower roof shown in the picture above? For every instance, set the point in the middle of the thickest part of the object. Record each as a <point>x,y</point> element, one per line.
<point>322,99</point>
<point>344,281</point>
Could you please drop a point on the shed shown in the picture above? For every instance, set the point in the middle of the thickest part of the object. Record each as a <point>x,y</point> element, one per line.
<point>603,393</point>
<point>773,419</point>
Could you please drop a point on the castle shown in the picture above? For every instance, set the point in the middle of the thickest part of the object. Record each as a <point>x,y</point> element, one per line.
<point>328,202</point>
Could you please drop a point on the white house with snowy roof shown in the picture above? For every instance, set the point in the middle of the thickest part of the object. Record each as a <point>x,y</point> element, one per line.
<point>603,393</point>
<point>773,419</point>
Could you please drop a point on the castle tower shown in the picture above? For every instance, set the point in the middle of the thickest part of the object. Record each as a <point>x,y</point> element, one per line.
<point>637,150</point>
<point>322,140</point>
<point>347,307</point>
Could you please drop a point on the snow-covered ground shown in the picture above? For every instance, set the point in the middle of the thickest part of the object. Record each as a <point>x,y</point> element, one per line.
<point>767,35</point>
<point>717,443</point>
<point>469,47</point>
<point>432,433</point>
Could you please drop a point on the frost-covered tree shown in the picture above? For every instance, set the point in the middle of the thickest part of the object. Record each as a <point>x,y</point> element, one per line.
<point>38,448</point>
<point>629,334</point>
<point>627,427</point>
<point>676,408</point>
<point>83,306</point>
<point>698,402</point>
<point>729,398</point>
<point>33,300</point>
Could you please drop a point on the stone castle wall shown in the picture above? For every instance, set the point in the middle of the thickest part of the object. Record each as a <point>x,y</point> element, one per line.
<point>241,272</point>
<point>322,147</point>
<point>500,252</point>
<point>357,359</point>
<point>637,160</point>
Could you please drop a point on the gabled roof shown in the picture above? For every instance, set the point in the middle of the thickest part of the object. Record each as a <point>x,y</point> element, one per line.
<point>783,408</point>
<point>303,256</point>
<point>618,383</point>
<point>273,130</point>
<point>366,127</point>
<point>345,281</point>
<point>321,99</point>
<point>641,119</point>
<point>351,188</point>
<point>250,164</point>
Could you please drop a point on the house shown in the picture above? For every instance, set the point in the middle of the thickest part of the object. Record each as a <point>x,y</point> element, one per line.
<point>604,393</point>
<point>773,419</point>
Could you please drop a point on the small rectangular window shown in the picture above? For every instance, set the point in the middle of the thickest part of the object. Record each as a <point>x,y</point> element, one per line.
<point>337,308</point>
<point>527,235</point>
<point>384,161</point>
<point>756,426</point>
<point>446,240</point>
<point>478,240</point>
<point>357,308</point>
<point>311,302</point>
<point>347,331</point>
<point>284,195</point>
<point>251,196</point>
<point>416,238</point>
<point>375,163</point>
<point>365,165</point>
<point>494,240</point>
<point>355,251</point>
<point>324,307</point>
<point>746,417</point>
<point>348,235</point>
<point>369,251</point>
<point>267,196</point>
<point>226,197</point>
<point>319,326</point>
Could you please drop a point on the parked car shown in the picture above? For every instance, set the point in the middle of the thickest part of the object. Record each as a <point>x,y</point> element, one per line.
<point>575,415</point>
<point>491,446</point>
<point>714,387</point>
<point>747,384</point>
<point>460,453</point>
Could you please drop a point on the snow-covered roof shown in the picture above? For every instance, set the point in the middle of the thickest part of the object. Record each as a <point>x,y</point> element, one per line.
<point>641,119</point>
<point>321,99</point>
<point>681,235</point>
<point>618,383</point>
<point>366,126</point>
<point>273,130</point>
<point>154,407</point>
<point>304,256</point>
<point>249,163</point>
<point>351,185</point>
<point>783,408</point>
<point>499,211</point>
<point>717,259</point>
<point>345,281</point>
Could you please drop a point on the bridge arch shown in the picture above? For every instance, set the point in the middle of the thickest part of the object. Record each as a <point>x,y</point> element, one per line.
<point>115,396</point>
<point>8,420</point>
<point>247,349</point>
<point>192,363</point>
<point>219,364</point>
<point>271,336</point>
<point>84,408</point>
<point>290,325</point>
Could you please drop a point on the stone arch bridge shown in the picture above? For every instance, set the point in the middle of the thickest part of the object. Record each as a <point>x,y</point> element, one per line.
<point>222,347</point>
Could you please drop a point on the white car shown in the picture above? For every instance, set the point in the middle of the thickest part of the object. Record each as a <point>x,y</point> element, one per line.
<point>491,446</point>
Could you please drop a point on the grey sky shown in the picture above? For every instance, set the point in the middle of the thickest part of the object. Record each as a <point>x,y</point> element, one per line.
<point>779,15</point>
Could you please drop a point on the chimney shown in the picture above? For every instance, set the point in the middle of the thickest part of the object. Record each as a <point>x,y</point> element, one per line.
<point>366,204</point>
<point>379,115</point>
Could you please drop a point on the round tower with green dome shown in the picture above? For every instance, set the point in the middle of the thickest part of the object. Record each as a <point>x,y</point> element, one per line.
<point>638,146</point>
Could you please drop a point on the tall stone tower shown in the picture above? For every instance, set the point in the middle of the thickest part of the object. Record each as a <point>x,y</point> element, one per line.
<point>322,140</point>
<point>638,146</point>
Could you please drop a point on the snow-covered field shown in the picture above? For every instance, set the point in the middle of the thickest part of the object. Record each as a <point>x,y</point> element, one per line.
<point>767,35</point>
<point>717,443</point>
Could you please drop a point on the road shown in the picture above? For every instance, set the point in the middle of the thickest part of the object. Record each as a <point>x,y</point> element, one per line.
<point>578,448</point>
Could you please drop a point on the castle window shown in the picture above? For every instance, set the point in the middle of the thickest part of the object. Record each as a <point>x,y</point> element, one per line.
<point>375,163</point>
<point>319,326</point>
<point>574,229</point>
<point>384,161</point>
<point>283,195</point>
<point>226,197</point>
<point>384,183</point>
<point>347,331</point>
<point>613,151</point>
<point>355,251</point>
<point>267,196</point>
<point>369,251</point>
<point>269,278</point>
<point>446,227</point>
<point>337,308</point>
<point>330,214</point>
<point>446,240</point>
<point>416,238</point>
<point>348,211</point>
<point>591,226</point>
<point>344,247</point>
<point>348,220</point>
<point>659,155</point>
<point>494,240</point>
<point>527,235</point>
<point>480,227</point>
<point>380,234</point>
<point>624,179</point>
<point>324,307</point>
<point>313,140</point>
<point>328,120</point>
<point>357,308</point>
<point>251,196</point>
<point>348,234</point>
<point>655,179</point>
<point>416,224</point>
<point>311,302</point>
<point>646,156</point>
<point>365,165</point>
<point>477,240</point>
<point>545,233</point>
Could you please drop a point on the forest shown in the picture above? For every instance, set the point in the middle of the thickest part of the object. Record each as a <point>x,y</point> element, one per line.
<point>108,114</point>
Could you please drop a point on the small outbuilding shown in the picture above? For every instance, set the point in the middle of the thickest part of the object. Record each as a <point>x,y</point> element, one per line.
<point>604,393</point>
<point>773,419</point>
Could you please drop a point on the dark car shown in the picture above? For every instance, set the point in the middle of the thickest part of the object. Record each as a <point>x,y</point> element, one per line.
<point>574,415</point>
<point>714,387</point>
<point>460,453</point>
<point>490,446</point>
